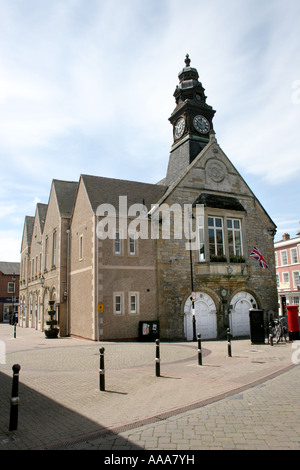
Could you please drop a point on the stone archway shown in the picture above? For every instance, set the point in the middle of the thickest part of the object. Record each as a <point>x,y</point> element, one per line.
<point>205,315</point>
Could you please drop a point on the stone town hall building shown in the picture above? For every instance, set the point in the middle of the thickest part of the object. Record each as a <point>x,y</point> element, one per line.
<point>105,283</point>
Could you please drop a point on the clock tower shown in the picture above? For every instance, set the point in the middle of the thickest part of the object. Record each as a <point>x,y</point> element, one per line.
<point>191,121</point>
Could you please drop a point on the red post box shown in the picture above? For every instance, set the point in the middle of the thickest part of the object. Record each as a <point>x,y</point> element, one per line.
<point>293,322</point>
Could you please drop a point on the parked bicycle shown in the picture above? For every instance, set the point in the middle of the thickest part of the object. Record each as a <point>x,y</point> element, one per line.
<point>278,328</point>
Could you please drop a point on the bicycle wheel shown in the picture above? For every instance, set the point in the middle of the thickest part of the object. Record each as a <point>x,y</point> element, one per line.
<point>277,335</point>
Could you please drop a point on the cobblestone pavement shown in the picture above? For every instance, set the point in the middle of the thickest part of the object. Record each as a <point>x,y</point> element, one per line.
<point>247,401</point>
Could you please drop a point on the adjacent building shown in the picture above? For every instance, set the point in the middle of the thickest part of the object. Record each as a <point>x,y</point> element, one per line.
<point>114,253</point>
<point>44,258</point>
<point>287,258</point>
<point>9,289</point>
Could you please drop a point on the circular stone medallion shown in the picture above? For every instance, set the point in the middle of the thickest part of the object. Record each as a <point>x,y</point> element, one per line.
<point>216,171</point>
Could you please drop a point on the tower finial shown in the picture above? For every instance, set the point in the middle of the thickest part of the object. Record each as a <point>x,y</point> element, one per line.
<point>187,60</point>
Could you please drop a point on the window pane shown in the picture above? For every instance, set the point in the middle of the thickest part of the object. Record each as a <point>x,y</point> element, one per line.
<point>117,244</point>
<point>131,244</point>
<point>218,222</point>
<point>118,303</point>
<point>219,234</point>
<point>229,223</point>
<point>133,304</point>
<point>210,222</point>
<point>236,224</point>
<point>211,236</point>
<point>219,250</point>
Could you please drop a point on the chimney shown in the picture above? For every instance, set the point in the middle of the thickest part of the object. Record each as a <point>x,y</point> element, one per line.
<point>286,236</point>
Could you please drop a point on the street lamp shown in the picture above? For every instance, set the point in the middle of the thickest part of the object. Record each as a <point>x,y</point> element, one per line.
<point>13,307</point>
<point>192,280</point>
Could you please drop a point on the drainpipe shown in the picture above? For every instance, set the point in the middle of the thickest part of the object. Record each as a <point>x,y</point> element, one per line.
<point>68,269</point>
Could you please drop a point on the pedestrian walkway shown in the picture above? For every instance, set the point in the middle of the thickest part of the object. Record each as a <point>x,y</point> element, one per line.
<point>61,405</point>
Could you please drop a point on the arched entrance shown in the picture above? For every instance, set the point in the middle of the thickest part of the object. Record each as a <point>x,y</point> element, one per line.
<point>205,315</point>
<point>239,317</point>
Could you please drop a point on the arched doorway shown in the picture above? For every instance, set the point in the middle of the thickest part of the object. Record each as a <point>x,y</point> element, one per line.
<point>205,315</point>
<point>239,317</point>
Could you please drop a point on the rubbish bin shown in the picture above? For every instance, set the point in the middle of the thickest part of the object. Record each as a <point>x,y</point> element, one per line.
<point>148,330</point>
<point>293,322</point>
<point>257,328</point>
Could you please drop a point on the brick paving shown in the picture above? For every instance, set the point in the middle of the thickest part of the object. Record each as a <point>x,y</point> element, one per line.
<point>247,401</point>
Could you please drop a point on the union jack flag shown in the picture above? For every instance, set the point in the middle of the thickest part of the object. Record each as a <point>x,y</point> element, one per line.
<point>257,255</point>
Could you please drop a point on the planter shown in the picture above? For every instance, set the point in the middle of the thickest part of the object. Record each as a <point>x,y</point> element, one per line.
<point>53,331</point>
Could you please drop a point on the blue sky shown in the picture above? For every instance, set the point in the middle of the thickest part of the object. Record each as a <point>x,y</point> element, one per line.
<point>86,87</point>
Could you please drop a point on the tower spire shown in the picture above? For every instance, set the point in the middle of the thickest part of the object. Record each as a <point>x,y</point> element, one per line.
<point>191,120</point>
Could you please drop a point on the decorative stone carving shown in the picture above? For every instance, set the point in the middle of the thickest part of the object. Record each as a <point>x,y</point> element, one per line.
<point>216,171</point>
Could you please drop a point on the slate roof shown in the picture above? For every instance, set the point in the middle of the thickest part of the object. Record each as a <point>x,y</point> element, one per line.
<point>103,190</point>
<point>29,223</point>
<point>10,268</point>
<point>42,209</point>
<point>65,194</point>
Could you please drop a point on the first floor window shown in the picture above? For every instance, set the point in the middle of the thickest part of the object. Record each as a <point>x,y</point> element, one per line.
<point>54,249</point>
<point>46,253</point>
<point>234,237</point>
<point>296,278</point>
<point>294,255</point>
<point>215,236</point>
<point>132,244</point>
<point>11,288</point>
<point>201,239</point>
<point>284,260</point>
<point>81,247</point>
<point>133,302</point>
<point>118,304</point>
<point>117,244</point>
<point>286,277</point>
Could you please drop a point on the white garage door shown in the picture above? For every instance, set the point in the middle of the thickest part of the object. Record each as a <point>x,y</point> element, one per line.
<point>205,315</point>
<point>239,317</point>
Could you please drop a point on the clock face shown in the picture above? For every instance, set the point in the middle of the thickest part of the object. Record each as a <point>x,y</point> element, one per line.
<point>179,128</point>
<point>201,124</point>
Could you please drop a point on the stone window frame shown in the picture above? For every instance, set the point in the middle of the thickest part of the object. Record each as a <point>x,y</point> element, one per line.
<point>137,303</point>
<point>54,248</point>
<point>135,238</point>
<point>224,215</point>
<point>117,302</point>
<point>80,247</point>
<point>119,241</point>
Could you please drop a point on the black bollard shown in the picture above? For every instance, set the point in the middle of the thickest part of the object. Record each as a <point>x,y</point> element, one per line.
<point>101,370</point>
<point>14,401</point>
<point>157,359</point>
<point>229,342</point>
<point>199,350</point>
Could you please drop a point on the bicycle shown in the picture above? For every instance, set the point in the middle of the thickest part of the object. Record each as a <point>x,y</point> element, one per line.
<point>278,329</point>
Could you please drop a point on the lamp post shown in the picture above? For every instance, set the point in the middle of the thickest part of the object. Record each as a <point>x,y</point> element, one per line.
<point>13,307</point>
<point>192,281</point>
